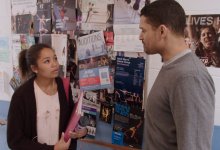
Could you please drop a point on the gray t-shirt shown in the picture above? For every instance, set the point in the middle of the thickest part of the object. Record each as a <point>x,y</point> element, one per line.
<point>180,107</point>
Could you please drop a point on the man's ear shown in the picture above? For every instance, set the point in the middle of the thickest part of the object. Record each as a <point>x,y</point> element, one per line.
<point>163,31</point>
<point>34,69</point>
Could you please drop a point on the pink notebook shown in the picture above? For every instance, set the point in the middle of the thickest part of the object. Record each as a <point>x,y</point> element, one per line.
<point>75,116</point>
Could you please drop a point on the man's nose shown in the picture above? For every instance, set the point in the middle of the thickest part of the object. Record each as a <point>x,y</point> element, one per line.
<point>140,37</point>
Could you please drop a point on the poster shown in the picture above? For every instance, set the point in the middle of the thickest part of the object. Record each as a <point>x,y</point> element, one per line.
<point>93,62</point>
<point>128,11</point>
<point>59,44</point>
<point>95,78</point>
<point>5,56</point>
<point>95,14</point>
<point>91,45</point>
<point>128,126</point>
<point>129,78</point>
<point>90,113</point>
<point>23,7</point>
<point>202,35</point>
<point>4,86</point>
<point>127,38</point>
<point>42,19</point>
<point>64,16</point>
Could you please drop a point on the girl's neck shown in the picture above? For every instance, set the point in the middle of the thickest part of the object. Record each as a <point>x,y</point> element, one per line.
<point>49,86</point>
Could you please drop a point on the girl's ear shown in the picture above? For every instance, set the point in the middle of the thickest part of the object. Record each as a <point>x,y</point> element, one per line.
<point>34,69</point>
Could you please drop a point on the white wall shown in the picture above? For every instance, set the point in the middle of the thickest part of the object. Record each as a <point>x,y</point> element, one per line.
<point>5,31</point>
<point>5,16</point>
<point>197,7</point>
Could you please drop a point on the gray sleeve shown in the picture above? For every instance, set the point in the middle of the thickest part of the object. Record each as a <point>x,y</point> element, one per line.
<point>192,104</point>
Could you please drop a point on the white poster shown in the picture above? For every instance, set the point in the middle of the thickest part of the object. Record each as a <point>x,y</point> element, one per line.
<point>96,14</point>
<point>5,90</point>
<point>59,44</point>
<point>128,12</point>
<point>16,48</point>
<point>127,38</point>
<point>4,50</point>
<point>23,7</point>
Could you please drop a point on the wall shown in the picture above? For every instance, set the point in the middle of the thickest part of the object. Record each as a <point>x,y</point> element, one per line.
<point>5,31</point>
<point>4,105</point>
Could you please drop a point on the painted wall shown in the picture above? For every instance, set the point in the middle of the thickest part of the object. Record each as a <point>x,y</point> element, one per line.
<point>5,31</point>
<point>4,105</point>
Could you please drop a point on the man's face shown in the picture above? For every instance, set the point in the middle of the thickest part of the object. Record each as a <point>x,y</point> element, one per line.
<point>148,36</point>
<point>207,38</point>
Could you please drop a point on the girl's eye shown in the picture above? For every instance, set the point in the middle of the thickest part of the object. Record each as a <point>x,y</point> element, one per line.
<point>46,61</point>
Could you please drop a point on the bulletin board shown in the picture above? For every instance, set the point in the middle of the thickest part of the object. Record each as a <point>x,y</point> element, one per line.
<point>94,40</point>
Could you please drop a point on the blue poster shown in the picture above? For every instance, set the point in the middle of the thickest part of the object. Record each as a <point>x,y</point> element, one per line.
<point>129,78</point>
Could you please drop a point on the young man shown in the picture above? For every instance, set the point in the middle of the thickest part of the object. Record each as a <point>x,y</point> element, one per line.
<point>183,94</point>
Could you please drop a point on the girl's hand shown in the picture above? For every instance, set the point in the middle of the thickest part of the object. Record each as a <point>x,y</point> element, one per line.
<point>61,144</point>
<point>78,134</point>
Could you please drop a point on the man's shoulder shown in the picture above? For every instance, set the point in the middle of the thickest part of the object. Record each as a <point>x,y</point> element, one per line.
<point>188,65</point>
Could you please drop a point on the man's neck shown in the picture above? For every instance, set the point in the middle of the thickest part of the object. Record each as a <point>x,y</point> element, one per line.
<point>179,55</point>
<point>173,48</point>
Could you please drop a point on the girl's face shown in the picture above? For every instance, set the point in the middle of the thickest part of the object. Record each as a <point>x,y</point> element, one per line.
<point>47,64</point>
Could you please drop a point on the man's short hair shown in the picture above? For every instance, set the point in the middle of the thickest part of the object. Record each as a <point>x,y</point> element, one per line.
<point>167,12</point>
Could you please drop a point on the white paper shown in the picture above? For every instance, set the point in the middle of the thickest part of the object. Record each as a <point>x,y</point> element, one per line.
<point>23,7</point>
<point>4,50</point>
<point>16,48</point>
<point>4,86</point>
<point>59,44</point>
<point>95,14</point>
<point>127,38</point>
<point>127,13</point>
